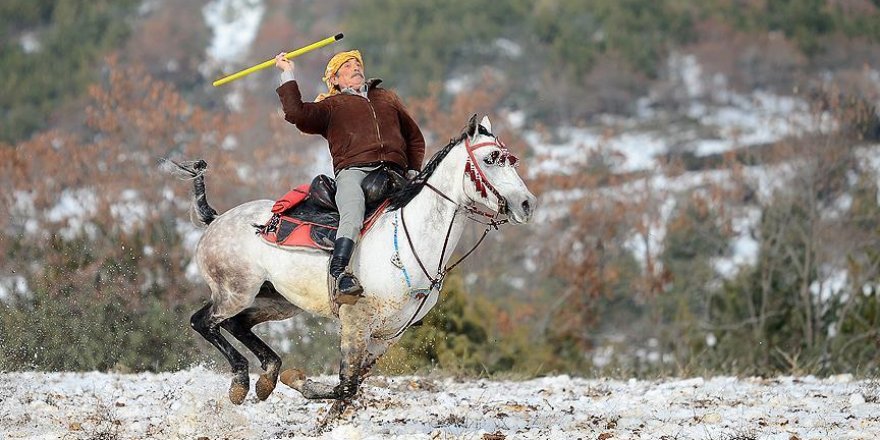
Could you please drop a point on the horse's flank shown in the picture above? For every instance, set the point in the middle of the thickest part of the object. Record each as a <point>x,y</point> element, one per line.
<point>247,261</point>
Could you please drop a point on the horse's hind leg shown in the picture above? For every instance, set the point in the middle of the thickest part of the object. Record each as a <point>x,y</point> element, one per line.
<point>206,322</point>
<point>269,305</point>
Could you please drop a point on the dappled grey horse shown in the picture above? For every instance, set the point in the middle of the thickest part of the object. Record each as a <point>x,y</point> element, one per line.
<point>252,281</point>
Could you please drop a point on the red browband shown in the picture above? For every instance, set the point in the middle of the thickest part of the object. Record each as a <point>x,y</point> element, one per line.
<point>473,170</point>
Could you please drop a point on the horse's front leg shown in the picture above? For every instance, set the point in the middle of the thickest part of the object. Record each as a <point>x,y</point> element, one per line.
<point>353,350</point>
<point>375,349</point>
<point>354,337</point>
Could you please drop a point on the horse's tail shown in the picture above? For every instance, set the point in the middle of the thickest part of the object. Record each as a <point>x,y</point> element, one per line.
<point>195,170</point>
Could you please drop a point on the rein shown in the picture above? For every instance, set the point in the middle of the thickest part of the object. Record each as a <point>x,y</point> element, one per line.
<point>441,272</point>
<point>479,178</point>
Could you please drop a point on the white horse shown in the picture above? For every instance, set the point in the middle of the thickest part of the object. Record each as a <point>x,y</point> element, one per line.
<point>252,281</point>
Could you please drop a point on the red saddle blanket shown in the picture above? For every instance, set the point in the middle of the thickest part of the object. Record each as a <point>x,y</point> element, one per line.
<point>311,227</point>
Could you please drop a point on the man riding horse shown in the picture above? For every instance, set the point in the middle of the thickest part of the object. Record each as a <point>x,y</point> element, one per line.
<point>366,127</point>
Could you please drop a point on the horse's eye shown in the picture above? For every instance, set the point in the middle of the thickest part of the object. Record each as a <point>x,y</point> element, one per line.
<point>512,160</point>
<point>492,158</point>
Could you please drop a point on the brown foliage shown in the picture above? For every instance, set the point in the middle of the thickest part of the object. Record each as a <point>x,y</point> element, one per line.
<point>438,120</point>
<point>441,122</point>
<point>747,61</point>
<point>170,41</point>
<point>129,209</point>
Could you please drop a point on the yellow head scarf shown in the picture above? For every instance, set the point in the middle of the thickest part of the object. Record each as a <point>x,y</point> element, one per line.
<point>333,66</point>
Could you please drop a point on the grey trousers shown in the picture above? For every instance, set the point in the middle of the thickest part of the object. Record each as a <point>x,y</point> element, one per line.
<point>350,201</point>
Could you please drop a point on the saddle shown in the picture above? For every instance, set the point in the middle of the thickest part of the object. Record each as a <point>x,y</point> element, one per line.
<point>307,215</point>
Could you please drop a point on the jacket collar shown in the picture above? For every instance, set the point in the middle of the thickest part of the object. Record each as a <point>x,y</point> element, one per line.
<point>370,84</point>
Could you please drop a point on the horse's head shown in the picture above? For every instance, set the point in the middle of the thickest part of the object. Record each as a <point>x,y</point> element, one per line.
<point>491,177</point>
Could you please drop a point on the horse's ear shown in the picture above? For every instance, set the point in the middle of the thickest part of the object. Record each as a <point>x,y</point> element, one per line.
<point>472,128</point>
<point>485,123</point>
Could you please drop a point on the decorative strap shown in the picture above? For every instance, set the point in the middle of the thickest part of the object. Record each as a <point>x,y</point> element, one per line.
<point>270,226</point>
<point>473,170</point>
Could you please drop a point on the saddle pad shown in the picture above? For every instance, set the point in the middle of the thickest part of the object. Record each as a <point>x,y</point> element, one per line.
<point>287,231</point>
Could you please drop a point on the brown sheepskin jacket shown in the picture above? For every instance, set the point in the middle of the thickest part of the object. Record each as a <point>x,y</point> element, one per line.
<point>360,131</point>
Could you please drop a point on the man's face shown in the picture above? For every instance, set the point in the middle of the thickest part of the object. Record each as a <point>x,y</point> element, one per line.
<point>350,74</point>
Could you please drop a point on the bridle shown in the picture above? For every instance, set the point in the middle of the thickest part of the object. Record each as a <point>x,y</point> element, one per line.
<point>476,174</point>
<point>484,186</point>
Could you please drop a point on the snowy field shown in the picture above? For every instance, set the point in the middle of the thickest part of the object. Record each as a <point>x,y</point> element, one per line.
<point>192,404</point>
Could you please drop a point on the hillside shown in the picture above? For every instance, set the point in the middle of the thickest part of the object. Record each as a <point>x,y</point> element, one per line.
<point>707,175</point>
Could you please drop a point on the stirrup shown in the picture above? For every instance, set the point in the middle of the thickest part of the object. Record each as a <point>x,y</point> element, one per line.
<point>349,296</point>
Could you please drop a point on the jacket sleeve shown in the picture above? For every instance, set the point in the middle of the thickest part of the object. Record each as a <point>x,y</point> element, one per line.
<point>415,141</point>
<point>309,117</point>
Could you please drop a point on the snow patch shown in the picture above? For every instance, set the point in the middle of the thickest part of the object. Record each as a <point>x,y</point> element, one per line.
<point>130,209</point>
<point>235,24</point>
<point>830,284</point>
<point>650,244</point>
<point>30,43</point>
<point>456,85</point>
<point>686,69</point>
<point>15,285</point>
<point>148,6</point>
<point>235,100</point>
<point>509,48</point>
<point>744,247</point>
<point>74,208</point>
<point>516,119</point>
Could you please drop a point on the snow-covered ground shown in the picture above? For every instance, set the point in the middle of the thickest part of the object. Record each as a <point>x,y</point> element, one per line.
<point>193,404</point>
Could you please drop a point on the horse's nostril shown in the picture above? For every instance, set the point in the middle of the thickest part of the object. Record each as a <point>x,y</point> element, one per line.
<point>527,208</point>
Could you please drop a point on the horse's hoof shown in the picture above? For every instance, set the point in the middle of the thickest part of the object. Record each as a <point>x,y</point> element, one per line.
<point>237,392</point>
<point>293,378</point>
<point>265,386</point>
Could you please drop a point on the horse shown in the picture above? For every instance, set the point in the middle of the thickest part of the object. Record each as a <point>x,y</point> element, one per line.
<point>252,281</point>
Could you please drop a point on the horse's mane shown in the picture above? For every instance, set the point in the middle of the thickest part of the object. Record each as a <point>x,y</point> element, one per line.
<point>400,198</point>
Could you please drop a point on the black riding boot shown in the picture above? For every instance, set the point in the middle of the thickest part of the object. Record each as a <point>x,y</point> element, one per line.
<point>347,289</point>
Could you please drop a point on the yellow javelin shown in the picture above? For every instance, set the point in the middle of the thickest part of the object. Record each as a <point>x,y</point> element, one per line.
<point>269,63</point>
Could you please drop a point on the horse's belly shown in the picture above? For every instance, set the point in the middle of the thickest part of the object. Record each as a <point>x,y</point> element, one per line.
<point>302,280</point>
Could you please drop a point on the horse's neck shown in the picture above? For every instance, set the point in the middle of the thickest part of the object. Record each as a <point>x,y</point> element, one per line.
<point>430,218</point>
